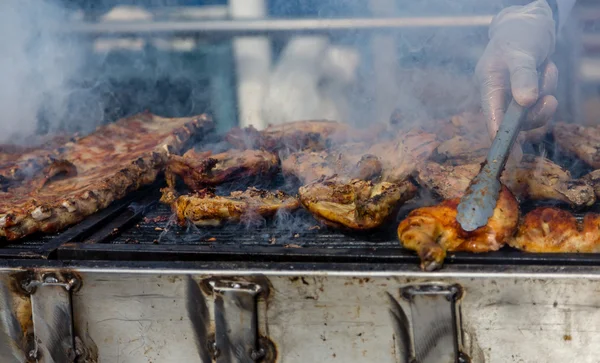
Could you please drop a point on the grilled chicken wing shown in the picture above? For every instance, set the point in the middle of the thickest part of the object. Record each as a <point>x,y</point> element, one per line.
<point>199,170</point>
<point>355,204</point>
<point>580,141</point>
<point>535,178</point>
<point>556,230</point>
<point>204,208</point>
<point>431,231</point>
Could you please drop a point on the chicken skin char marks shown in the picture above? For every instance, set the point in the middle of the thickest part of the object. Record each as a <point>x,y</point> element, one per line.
<point>432,231</point>
<point>354,204</point>
<point>205,208</point>
<point>553,230</point>
<point>199,170</point>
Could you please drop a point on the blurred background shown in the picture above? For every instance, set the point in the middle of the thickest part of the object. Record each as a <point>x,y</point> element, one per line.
<point>80,63</point>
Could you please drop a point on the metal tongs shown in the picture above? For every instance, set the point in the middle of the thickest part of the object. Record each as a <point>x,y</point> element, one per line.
<point>479,201</point>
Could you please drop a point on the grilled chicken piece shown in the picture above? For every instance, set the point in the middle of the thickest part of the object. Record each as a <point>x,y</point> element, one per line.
<point>431,231</point>
<point>555,230</point>
<point>395,160</point>
<point>199,170</point>
<point>93,171</point>
<point>447,181</point>
<point>535,178</point>
<point>463,150</point>
<point>593,179</point>
<point>347,160</point>
<point>204,208</point>
<point>400,158</point>
<point>355,204</point>
<point>580,141</point>
<point>295,136</point>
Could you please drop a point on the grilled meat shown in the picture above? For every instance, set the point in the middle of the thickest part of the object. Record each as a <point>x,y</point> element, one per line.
<point>292,136</point>
<point>354,204</point>
<point>593,179</point>
<point>204,208</point>
<point>19,163</point>
<point>347,160</point>
<point>538,178</point>
<point>535,178</point>
<point>556,230</point>
<point>463,150</point>
<point>199,170</point>
<point>447,181</point>
<point>400,158</point>
<point>580,141</point>
<point>431,231</point>
<point>393,160</point>
<point>91,172</point>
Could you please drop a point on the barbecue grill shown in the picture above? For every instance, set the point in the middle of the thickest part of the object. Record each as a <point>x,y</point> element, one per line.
<point>129,285</point>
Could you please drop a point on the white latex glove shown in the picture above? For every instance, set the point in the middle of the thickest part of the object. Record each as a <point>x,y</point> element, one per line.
<point>515,63</point>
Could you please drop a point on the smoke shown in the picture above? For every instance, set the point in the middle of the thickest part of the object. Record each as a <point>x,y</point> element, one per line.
<point>36,65</point>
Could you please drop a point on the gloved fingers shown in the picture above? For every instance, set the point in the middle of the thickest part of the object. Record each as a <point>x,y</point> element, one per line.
<point>493,85</point>
<point>548,79</point>
<point>541,113</point>
<point>524,77</point>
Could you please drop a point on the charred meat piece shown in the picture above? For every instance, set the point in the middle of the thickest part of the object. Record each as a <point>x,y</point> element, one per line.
<point>292,136</point>
<point>20,163</point>
<point>199,170</point>
<point>535,178</point>
<point>348,160</point>
<point>538,178</point>
<point>593,179</point>
<point>400,158</point>
<point>447,181</point>
<point>463,150</point>
<point>580,141</point>
<point>93,171</point>
<point>431,231</point>
<point>355,204</point>
<point>394,160</point>
<point>548,230</point>
<point>207,209</point>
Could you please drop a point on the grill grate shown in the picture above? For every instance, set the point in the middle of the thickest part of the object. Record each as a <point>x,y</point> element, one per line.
<point>144,232</point>
<point>157,227</point>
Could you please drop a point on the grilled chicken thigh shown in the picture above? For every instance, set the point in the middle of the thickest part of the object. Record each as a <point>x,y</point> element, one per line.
<point>535,178</point>
<point>431,231</point>
<point>354,204</point>
<point>205,208</point>
<point>556,230</point>
<point>199,170</point>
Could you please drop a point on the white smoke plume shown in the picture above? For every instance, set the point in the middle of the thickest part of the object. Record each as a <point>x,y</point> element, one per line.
<point>35,67</point>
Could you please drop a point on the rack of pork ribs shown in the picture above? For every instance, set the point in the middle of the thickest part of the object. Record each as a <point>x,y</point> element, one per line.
<point>349,179</point>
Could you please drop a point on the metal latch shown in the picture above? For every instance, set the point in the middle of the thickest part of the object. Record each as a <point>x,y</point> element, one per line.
<point>236,331</point>
<point>435,320</point>
<point>52,317</point>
